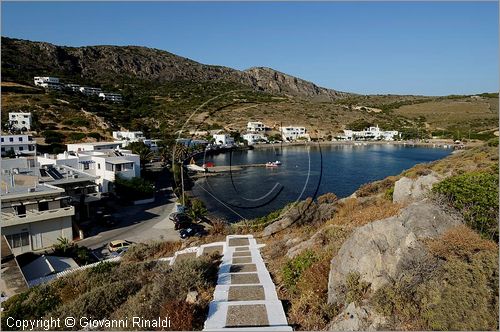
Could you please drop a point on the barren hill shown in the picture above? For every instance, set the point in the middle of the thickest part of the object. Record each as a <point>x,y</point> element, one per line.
<point>22,59</point>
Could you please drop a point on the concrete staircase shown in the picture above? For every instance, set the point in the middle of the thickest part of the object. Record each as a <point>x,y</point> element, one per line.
<point>245,297</point>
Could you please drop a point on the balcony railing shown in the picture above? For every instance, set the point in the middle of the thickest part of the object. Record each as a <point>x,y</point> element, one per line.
<point>14,219</point>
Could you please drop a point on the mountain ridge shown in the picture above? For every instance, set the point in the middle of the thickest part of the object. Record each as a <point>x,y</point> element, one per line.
<point>116,63</point>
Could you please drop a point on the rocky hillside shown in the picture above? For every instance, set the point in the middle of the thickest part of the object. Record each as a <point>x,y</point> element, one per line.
<point>22,59</point>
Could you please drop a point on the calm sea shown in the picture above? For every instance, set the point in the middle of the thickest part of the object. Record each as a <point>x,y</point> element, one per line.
<point>306,171</point>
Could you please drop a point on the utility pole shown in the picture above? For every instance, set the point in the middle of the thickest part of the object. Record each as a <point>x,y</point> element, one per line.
<point>182,184</point>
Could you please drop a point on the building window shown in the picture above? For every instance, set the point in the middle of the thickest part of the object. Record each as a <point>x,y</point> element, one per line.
<point>21,148</point>
<point>86,166</point>
<point>98,166</point>
<point>21,210</point>
<point>2,140</point>
<point>43,206</point>
<point>11,139</point>
<point>3,149</point>
<point>18,240</point>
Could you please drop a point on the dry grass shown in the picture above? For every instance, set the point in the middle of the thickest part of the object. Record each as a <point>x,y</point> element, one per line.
<point>376,187</point>
<point>352,213</point>
<point>450,113</point>
<point>460,242</point>
<point>149,251</point>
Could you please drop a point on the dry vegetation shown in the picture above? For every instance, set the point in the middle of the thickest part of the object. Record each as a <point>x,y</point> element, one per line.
<point>148,289</point>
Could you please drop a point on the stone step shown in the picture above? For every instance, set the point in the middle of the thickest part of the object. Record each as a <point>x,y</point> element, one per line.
<point>245,297</point>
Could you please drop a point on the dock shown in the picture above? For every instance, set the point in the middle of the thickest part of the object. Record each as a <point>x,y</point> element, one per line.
<point>220,169</point>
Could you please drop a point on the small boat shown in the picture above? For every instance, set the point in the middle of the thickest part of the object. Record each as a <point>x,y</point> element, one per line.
<point>273,163</point>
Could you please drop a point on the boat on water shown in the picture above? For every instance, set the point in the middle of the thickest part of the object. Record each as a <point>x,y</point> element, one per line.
<point>273,163</point>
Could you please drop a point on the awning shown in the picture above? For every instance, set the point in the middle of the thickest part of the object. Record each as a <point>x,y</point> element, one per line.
<point>86,162</point>
<point>119,161</point>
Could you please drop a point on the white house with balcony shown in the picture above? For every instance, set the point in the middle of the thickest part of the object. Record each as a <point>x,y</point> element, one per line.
<point>47,82</point>
<point>94,146</point>
<point>114,97</point>
<point>132,136</point>
<point>104,165</point>
<point>223,140</point>
<point>370,134</point>
<point>254,138</point>
<point>89,91</point>
<point>34,216</point>
<point>18,144</point>
<point>293,133</point>
<point>255,126</point>
<point>20,120</point>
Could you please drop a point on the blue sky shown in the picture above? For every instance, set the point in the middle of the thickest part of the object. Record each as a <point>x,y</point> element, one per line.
<point>388,47</point>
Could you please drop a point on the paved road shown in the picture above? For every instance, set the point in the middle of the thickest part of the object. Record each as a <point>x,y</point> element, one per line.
<point>139,223</point>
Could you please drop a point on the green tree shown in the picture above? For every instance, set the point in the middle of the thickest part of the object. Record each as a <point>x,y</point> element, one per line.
<point>197,209</point>
<point>144,152</point>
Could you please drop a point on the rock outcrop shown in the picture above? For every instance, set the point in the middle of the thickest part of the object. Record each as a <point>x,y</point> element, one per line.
<point>357,318</point>
<point>379,251</point>
<point>408,190</point>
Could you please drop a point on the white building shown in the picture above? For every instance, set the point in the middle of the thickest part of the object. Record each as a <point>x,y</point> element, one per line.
<point>223,140</point>
<point>89,91</point>
<point>368,134</point>
<point>19,144</point>
<point>34,215</point>
<point>20,120</point>
<point>292,133</point>
<point>40,80</point>
<point>132,136</point>
<point>94,146</point>
<point>105,165</point>
<point>253,138</point>
<point>115,97</point>
<point>72,87</point>
<point>255,126</point>
<point>126,137</point>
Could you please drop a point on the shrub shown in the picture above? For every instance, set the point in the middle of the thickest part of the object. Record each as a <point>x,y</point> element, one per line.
<point>99,302</point>
<point>33,304</point>
<point>475,195</point>
<point>459,242</point>
<point>376,187</point>
<point>95,135</point>
<point>294,267</point>
<point>493,142</point>
<point>459,293</point>
<point>53,137</point>
<point>133,189</point>
<point>310,310</point>
<point>77,136</point>
<point>389,194</point>
<point>356,289</point>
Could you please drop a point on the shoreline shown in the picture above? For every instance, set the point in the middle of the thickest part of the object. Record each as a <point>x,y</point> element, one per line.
<point>442,143</point>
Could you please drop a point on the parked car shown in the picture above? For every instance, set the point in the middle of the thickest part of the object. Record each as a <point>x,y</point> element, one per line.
<point>192,230</point>
<point>180,220</point>
<point>119,252</point>
<point>118,244</point>
<point>107,220</point>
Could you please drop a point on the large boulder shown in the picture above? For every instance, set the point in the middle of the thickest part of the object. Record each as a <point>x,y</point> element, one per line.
<point>378,251</point>
<point>357,318</point>
<point>304,212</point>
<point>408,190</point>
